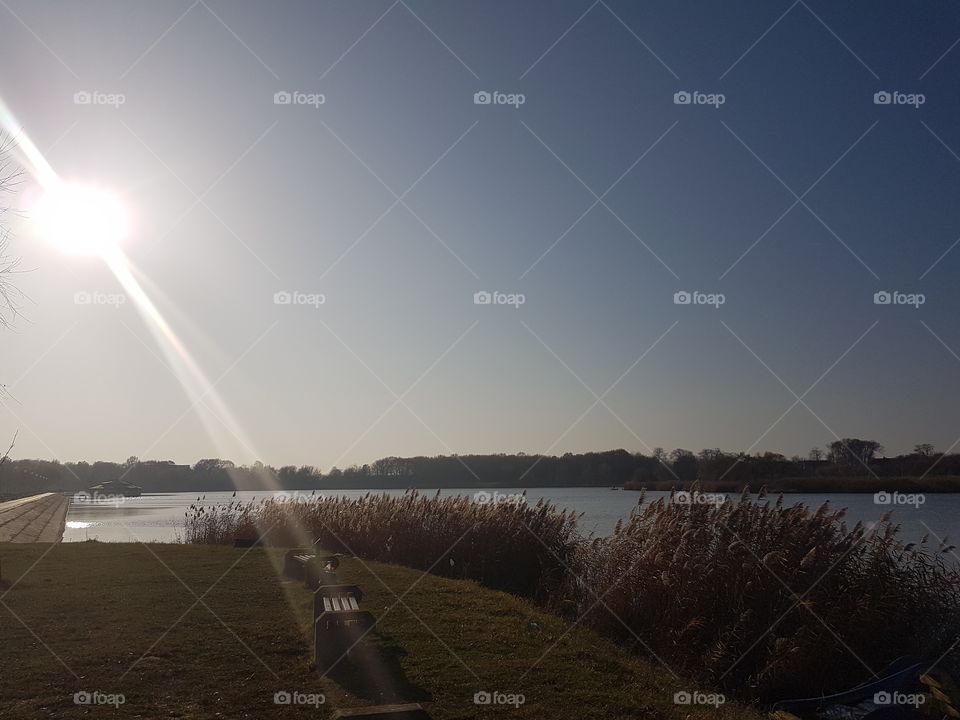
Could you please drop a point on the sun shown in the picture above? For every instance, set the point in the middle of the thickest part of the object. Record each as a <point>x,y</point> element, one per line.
<point>81,219</point>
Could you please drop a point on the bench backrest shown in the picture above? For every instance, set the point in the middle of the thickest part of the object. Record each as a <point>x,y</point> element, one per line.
<point>343,602</point>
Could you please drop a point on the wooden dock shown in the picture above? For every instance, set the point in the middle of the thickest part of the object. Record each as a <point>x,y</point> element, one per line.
<point>34,519</point>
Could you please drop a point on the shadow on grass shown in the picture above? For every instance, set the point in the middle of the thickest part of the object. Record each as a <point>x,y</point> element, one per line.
<point>373,673</point>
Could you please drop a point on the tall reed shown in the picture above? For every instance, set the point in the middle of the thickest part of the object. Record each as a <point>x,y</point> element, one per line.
<point>749,595</point>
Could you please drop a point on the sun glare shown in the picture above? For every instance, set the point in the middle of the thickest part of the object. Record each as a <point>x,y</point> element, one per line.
<point>81,219</point>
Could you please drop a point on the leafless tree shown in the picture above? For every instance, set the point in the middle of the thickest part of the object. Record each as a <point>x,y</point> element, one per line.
<point>6,455</point>
<point>10,177</point>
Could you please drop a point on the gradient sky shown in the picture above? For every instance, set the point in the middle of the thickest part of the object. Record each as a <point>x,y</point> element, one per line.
<point>288,195</point>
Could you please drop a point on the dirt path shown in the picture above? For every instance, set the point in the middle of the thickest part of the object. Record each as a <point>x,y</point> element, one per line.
<point>35,519</point>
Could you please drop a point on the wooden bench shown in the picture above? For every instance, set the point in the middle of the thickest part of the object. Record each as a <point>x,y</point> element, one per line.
<point>330,598</point>
<point>338,623</point>
<point>337,632</point>
<point>306,565</point>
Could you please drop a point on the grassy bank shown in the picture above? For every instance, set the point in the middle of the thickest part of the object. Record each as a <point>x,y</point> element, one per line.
<point>762,599</point>
<point>90,612</point>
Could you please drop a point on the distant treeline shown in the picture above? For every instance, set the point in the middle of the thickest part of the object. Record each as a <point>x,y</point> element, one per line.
<point>850,464</point>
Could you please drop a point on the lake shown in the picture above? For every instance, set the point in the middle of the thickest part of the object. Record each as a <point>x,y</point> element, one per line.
<point>159,517</point>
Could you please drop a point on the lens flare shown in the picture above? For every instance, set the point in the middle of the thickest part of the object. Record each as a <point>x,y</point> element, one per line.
<point>81,219</point>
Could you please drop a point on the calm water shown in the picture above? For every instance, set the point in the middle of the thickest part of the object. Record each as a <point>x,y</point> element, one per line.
<point>159,517</point>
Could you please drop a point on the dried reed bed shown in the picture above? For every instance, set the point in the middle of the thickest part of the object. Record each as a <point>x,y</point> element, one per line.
<point>512,546</point>
<point>767,600</point>
<point>754,597</point>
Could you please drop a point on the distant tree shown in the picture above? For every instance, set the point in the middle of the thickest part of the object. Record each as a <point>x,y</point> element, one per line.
<point>684,464</point>
<point>815,454</point>
<point>851,452</point>
<point>211,464</point>
<point>925,449</point>
<point>131,461</point>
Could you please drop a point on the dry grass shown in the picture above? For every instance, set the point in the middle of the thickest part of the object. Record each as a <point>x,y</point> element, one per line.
<point>509,546</point>
<point>752,597</point>
<point>768,600</point>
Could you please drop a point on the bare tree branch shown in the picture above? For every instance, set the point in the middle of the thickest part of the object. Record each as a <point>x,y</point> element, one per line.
<point>10,179</point>
<point>6,455</point>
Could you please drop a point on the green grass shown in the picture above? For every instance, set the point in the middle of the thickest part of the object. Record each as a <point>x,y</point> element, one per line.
<point>93,610</point>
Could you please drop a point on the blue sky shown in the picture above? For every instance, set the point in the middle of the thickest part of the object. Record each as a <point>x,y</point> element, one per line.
<point>692,197</point>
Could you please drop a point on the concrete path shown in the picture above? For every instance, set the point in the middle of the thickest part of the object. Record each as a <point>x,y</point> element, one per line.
<point>34,519</point>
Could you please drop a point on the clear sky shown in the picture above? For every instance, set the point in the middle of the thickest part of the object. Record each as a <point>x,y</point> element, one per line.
<point>399,197</point>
